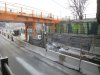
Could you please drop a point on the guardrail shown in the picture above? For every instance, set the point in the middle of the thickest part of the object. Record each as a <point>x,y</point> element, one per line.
<point>5,69</point>
<point>25,10</point>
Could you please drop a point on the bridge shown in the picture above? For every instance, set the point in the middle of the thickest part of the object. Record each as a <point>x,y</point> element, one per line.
<point>20,13</point>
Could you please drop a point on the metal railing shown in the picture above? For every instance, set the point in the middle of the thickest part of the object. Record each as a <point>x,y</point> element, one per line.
<point>25,10</point>
<point>5,69</point>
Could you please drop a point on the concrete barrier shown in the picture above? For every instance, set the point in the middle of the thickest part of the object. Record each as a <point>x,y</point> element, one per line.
<point>72,62</point>
<point>66,60</point>
<point>88,68</point>
<point>52,55</point>
<point>36,49</point>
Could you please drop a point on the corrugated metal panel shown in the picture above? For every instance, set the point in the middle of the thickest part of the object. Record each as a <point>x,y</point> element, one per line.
<point>69,28</point>
<point>85,28</point>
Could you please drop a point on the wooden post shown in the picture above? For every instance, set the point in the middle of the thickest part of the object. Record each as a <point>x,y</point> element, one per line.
<point>81,55</point>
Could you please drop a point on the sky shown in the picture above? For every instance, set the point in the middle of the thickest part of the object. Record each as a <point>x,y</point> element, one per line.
<point>58,8</point>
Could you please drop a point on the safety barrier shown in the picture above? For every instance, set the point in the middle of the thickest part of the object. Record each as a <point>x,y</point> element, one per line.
<point>66,60</point>
<point>89,68</point>
<point>5,69</point>
<point>85,67</point>
<point>52,55</point>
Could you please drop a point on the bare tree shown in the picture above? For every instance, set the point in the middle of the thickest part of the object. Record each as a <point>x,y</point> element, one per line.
<point>78,7</point>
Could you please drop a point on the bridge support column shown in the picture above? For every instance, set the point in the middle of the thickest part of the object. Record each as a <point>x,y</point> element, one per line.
<point>53,27</point>
<point>26,27</point>
<point>34,30</point>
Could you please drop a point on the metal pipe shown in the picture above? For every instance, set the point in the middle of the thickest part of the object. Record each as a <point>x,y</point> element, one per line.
<point>32,13</point>
<point>5,7</point>
<point>21,10</point>
<point>5,69</point>
<point>8,70</point>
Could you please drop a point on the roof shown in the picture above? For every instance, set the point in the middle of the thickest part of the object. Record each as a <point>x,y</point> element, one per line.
<point>86,20</point>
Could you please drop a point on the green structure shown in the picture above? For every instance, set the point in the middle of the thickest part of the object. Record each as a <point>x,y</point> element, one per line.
<point>87,26</point>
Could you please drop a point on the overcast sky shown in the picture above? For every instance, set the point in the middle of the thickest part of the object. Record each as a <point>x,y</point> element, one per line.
<point>57,7</point>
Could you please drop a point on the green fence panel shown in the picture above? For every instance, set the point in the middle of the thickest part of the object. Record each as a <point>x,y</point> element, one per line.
<point>85,28</point>
<point>98,30</point>
<point>64,25</point>
<point>75,27</point>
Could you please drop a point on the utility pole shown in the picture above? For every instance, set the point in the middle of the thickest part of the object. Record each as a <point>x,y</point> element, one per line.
<point>80,54</point>
<point>98,11</point>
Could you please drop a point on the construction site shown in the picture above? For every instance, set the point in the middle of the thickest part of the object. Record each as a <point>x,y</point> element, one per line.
<point>44,44</point>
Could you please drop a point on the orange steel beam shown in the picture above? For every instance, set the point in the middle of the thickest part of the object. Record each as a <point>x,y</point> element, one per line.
<point>24,18</point>
<point>26,26</point>
<point>53,27</point>
<point>21,16</point>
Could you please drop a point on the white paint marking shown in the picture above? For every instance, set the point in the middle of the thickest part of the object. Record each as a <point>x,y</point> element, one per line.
<point>28,67</point>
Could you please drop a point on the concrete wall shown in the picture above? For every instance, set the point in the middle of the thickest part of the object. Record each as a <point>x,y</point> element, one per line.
<point>66,60</point>
<point>86,68</point>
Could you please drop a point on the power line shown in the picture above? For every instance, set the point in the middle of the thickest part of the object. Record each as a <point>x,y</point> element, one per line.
<point>58,4</point>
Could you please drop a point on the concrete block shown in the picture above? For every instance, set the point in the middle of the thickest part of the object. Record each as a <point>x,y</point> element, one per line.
<point>90,68</point>
<point>71,62</point>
